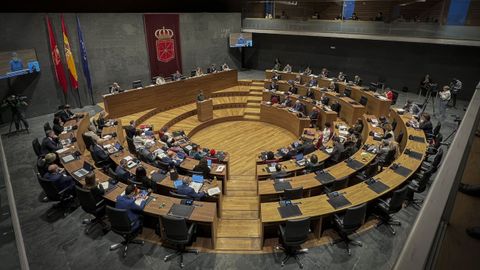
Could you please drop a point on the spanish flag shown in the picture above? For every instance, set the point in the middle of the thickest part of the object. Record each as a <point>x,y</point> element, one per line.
<point>69,57</point>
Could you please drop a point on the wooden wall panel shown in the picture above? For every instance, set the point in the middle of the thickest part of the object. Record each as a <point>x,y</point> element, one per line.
<point>167,95</point>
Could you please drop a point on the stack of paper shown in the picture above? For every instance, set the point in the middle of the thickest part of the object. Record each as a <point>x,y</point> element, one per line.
<point>214,191</point>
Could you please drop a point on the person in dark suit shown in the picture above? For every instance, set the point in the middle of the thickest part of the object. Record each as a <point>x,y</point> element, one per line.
<point>96,190</point>
<point>141,177</point>
<point>279,173</point>
<point>66,114</point>
<point>202,167</point>
<point>44,162</point>
<point>358,127</point>
<point>59,179</point>
<point>57,125</point>
<point>127,202</point>
<point>425,123</point>
<point>131,129</point>
<point>337,151</point>
<point>310,93</point>
<point>185,189</point>
<point>99,152</point>
<point>122,172</point>
<point>50,143</point>
<point>311,163</point>
<point>313,117</point>
<point>287,102</point>
<point>313,82</point>
<point>324,73</point>
<point>273,85</point>
<point>299,107</point>
<point>324,99</point>
<point>292,89</point>
<point>336,107</point>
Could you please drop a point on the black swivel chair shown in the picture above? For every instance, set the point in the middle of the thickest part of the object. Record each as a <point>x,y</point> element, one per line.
<point>292,235</point>
<point>179,196</point>
<point>89,205</point>
<point>348,223</point>
<point>178,233</point>
<point>336,185</point>
<point>47,127</point>
<point>121,225</point>
<point>87,140</point>
<point>417,185</point>
<point>112,174</point>
<point>99,163</point>
<point>131,146</point>
<point>293,193</point>
<point>63,197</point>
<point>399,137</point>
<point>388,159</point>
<point>390,206</point>
<point>369,172</point>
<point>433,166</point>
<point>435,144</point>
<point>37,148</point>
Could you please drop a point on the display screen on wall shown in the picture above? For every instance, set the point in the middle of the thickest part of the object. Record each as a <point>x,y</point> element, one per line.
<point>238,40</point>
<point>19,62</point>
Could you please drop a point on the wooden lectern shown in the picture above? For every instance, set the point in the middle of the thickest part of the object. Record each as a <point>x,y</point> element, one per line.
<point>205,110</point>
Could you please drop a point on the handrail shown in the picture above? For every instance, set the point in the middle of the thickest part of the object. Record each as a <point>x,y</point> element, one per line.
<point>422,245</point>
<point>22,255</point>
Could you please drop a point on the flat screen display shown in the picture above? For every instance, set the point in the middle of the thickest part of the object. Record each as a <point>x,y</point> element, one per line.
<point>238,40</point>
<point>19,62</point>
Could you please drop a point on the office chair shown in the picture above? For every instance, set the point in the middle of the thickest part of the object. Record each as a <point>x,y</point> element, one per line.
<point>395,97</point>
<point>37,148</point>
<point>348,223</point>
<point>88,141</point>
<point>336,185</point>
<point>90,206</point>
<point>435,144</point>
<point>388,159</point>
<point>121,225</point>
<point>433,166</point>
<point>99,163</point>
<point>435,131</point>
<point>46,127</point>
<point>308,148</point>
<point>391,206</point>
<point>317,167</point>
<point>369,171</point>
<point>177,233</point>
<point>293,193</point>
<point>399,137</point>
<point>131,146</point>
<point>179,196</point>
<point>112,174</point>
<point>417,185</point>
<point>292,235</point>
<point>63,197</point>
<point>163,165</point>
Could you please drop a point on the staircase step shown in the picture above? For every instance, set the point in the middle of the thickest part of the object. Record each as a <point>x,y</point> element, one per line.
<point>234,229</point>
<point>251,117</point>
<point>241,185</point>
<point>251,111</point>
<point>241,193</point>
<point>239,215</point>
<point>240,203</point>
<point>253,105</point>
<point>254,98</point>
<point>255,94</point>
<point>239,243</point>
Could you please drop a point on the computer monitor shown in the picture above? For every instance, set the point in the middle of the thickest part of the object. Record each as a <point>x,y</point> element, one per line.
<point>363,101</point>
<point>137,84</point>
<point>347,92</point>
<point>299,157</point>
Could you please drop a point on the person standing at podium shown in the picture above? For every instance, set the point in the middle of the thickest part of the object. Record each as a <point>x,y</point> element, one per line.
<point>200,96</point>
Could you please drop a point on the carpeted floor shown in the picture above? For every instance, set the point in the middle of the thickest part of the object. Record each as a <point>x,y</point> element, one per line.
<point>61,243</point>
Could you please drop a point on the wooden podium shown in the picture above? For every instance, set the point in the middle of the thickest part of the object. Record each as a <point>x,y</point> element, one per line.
<point>205,110</point>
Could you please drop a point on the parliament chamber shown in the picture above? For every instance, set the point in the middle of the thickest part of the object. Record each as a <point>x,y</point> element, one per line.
<point>264,138</point>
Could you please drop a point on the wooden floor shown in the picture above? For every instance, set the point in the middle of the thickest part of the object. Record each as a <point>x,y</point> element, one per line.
<point>243,140</point>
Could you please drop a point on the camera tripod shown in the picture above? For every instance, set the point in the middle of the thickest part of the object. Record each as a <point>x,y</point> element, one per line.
<point>20,125</point>
<point>429,96</point>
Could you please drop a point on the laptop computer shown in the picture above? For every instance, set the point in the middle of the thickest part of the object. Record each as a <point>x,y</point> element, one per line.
<point>86,169</point>
<point>68,158</point>
<point>117,147</point>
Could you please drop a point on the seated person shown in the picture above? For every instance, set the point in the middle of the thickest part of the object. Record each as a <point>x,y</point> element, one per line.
<point>197,152</point>
<point>50,143</point>
<point>357,80</point>
<point>310,93</point>
<point>358,140</point>
<point>185,189</point>
<point>327,134</point>
<point>101,120</point>
<point>313,117</point>
<point>200,96</point>
<point>167,140</point>
<point>131,129</point>
<point>122,172</point>
<point>100,154</point>
<point>274,99</point>
<point>171,158</point>
<point>177,76</point>
<point>61,181</point>
<point>287,68</point>
<point>299,107</point>
<point>324,99</point>
<point>389,94</point>
<point>311,163</point>
<point>412,108</point>
<point>312,83</point>
<point>141,177</point>
<point>358,127</point>
<point>276,76</point>
<point>298,79</point>
<point>341,77</point>
<point>387,130</point>
<point>198,71</point>
<point>134,211</point>
<point>44,162</point>
<point>349,147</point>
<point>225,67</point>
<point>337,152</point>
<point>382,121</point>
<point>92,133</point>
<point>382,151</point>
<point>324,73</point>
<point>114,88</point>
<point>202,167</point>
<point>138,140</point>
<point>425,124</point>
<point>279,173</point>
<point>307,71</point>
<point>66,114</point>
<point>96,189</point>
<point>213,68</point>
<point>333,87</point>
<point>287,102</point>
<point>159,80</point>
<point>273,86</point>
<point>292,89</point>
<point>57,125</point>
<point>336,107</point>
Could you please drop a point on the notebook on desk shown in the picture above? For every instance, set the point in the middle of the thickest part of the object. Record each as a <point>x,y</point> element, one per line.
<point>338,201</point>
<point>354,164</point>
<point>281,185</point>
<point>86,169</point>
<point>324,177</point>
<point>158,177</point>
<point>196,186</point>
<point>290,210</point>
<point>68,158</point>
<point>181,210</point>
<point>402,170</point>
<point>377,186</point>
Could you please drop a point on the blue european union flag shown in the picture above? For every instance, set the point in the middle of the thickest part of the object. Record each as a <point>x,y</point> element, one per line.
<point>83,53</point>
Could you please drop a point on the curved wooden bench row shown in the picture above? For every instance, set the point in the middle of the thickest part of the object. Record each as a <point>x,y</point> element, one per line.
<point>205,215</point>
<point>318,207</point>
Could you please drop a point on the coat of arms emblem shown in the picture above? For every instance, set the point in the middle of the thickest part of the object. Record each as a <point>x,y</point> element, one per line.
<point>165,45</point>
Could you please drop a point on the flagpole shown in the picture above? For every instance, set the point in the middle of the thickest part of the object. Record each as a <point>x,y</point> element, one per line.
<point>79,98</point>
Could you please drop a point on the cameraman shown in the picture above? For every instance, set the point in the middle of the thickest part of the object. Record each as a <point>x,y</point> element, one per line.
<point>455,86</point>
<point>15,103</point>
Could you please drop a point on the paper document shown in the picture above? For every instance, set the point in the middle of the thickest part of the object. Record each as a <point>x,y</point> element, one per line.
<point>196,186</point>
<point>220,168</point>
<point>214,191</point>
<point>105,185</point>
